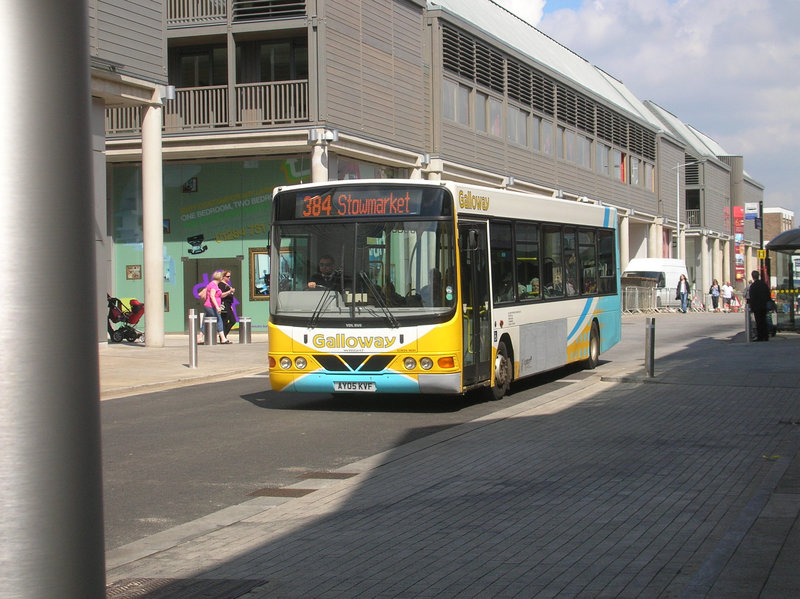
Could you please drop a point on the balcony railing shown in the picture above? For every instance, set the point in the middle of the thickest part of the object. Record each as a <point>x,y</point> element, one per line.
<point>205,108</point>
<point>693,218</point>
<point>182,13</point>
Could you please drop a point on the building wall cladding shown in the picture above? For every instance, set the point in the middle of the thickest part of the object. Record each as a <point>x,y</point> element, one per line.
<point>669,155</point>
<point>131,33</point>
<point>716,205</point>
<point>374,70</point>
<point>471,62</point>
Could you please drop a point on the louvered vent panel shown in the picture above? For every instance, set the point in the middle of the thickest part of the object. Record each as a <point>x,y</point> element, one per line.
<point>620,132</point>
<point>604,123</point>
<point>566,105</point>
<point>585,114</point>
<point>519,82</point>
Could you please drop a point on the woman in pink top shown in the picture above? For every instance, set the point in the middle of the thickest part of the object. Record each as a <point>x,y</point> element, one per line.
<point>213,304</point>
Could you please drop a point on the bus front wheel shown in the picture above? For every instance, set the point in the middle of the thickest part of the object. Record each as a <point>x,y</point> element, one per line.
<point>594,348</point>
<point>502,372</point>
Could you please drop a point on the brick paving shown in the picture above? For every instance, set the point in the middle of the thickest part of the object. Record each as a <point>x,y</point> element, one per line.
<point>682,486</point>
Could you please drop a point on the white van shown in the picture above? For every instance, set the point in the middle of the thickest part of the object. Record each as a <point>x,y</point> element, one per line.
<point>665,271</point>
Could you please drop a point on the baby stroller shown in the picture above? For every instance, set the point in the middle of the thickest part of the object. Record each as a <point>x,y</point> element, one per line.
<point>118,312</point>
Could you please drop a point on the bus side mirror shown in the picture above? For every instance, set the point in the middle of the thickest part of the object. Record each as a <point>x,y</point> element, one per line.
<point>472,239</point>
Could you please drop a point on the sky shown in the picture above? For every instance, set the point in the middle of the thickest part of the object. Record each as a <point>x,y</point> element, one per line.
<point>728,68</point>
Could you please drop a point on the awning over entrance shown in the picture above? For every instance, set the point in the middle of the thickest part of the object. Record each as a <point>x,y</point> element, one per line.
<point>787,242</point>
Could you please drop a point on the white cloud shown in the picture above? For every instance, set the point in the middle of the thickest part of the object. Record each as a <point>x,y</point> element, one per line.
<point>729,68</point>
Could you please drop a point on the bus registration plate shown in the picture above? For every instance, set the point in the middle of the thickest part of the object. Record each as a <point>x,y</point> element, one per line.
<point>363,386</point>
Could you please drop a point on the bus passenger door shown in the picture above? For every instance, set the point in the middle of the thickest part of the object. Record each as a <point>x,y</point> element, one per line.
<point>475,307</point>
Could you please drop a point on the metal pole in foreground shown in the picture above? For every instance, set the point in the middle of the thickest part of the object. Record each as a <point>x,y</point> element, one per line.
<point>650,347</point>
<point>192,338</point>
<point>51,493</point>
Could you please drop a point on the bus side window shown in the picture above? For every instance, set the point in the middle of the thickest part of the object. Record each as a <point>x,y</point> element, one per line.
<point>503,288</point>
<point>526,248</point>
<point>606,261</point>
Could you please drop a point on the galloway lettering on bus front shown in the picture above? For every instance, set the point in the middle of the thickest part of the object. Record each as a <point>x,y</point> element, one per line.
<point>342,341</point>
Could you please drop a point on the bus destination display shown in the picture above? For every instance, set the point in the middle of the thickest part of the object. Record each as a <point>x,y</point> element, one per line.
<point>351,203</point>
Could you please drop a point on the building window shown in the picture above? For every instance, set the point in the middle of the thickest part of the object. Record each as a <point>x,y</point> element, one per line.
<point>198,67</point>
<point>455,102</point>
<point>569,145</point>
<point>619,166</point>
<point>602,152</point>
<point>495,117</point>
<point>649,179</point>
<point>517,126</point>
<point>536,133</point>
<point>583,151</point>
<point>263,61</point>
<point>547,137</point>
<point>634,178</point>
<point>481,113</point>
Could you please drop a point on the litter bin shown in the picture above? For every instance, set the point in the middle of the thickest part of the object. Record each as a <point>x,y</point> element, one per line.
<point>244,330</point>
<point>210,331</point>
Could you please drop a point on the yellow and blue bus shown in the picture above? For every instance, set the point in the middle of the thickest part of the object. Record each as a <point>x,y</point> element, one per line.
<point>413,286</point>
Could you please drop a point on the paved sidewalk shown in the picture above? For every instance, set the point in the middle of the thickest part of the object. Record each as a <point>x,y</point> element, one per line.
<point>131,368</point>
<point>684,485</point>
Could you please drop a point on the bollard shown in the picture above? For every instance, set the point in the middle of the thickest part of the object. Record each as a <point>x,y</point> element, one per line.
<point>193,338</point>
<point>210,331</point>
<point>650,346</point>
<point>747,323</point>
<point>244,329</point>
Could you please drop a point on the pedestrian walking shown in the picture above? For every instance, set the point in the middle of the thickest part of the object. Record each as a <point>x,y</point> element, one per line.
<point>682,293</point>
<point>213,304</point>
<point>757,297</point>
<point>727,294</point>
<point>714,291</point>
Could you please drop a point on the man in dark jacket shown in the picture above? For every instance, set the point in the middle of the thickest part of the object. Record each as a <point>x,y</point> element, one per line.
<point>757,298</point>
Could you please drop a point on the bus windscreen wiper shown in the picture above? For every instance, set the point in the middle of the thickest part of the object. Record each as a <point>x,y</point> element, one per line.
<point>322,305</point>
<point>376,293</point>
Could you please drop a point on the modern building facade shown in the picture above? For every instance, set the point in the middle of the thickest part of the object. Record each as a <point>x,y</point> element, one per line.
<point>270,92</point>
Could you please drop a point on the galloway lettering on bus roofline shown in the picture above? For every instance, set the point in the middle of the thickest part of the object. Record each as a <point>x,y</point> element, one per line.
<point>472,202</point>
<point>342,341</point>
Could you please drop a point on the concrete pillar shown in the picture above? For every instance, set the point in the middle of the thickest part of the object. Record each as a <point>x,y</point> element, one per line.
<point>153,226</point>
<point>718,270</point>
<point>319,161</point>
<point>435,169</point>
<point>727,273</point>
<point>51,496</point>
<point>624,241</point>
<point>704,281</point>
<point>653,242</point>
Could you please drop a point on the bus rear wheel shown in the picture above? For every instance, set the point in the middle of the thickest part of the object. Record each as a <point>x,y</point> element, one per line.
<point>502,372</point>
<point>594,348</point>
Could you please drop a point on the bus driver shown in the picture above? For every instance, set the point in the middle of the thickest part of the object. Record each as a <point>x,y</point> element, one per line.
<point>325,277</point>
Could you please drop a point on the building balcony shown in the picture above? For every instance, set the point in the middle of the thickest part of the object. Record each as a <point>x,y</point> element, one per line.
<point>255,105</point>
<point>190,13</point>
<point>693,218</point>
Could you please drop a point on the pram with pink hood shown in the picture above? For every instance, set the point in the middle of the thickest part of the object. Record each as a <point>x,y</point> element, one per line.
<point>126,318</point>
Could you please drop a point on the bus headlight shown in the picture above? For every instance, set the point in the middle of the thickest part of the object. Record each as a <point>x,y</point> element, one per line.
<point>410,363</point>
<point>426,363</point>
<point>286,363</point>
<point>300,362</point>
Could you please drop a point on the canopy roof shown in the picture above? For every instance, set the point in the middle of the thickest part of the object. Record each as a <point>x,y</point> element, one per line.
<point>787,242</point>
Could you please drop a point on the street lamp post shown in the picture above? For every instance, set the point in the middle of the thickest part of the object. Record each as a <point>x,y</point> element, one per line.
<point>677,169</point>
